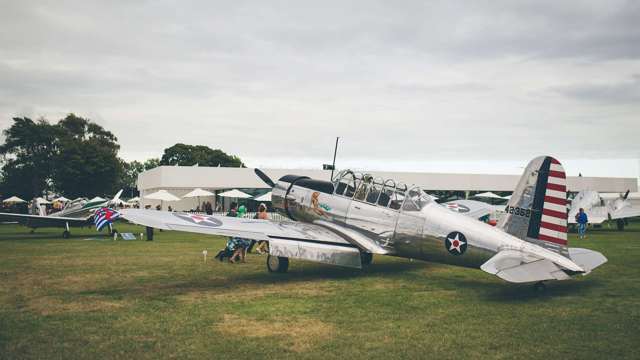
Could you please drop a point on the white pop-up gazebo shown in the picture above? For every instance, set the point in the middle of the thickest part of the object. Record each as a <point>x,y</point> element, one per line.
<point>13,199</point>
<point>162,195</point>
<point>488,195</point>
<point>235,193</point>
<point>264,197</point>
<point>61,199</point>
<point>196,193</point>
<point>493,197</point>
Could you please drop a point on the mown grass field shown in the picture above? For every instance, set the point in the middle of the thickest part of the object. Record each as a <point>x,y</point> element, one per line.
<point>91,299</point>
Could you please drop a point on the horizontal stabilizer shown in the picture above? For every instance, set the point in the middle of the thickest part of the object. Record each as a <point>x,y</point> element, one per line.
<point>518,267</point>
<point>587,259</point>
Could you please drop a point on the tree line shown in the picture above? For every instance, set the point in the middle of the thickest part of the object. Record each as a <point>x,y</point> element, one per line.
<point>77,157</point>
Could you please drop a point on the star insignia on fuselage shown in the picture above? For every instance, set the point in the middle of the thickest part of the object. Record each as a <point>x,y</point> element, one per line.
<point>456,243</point>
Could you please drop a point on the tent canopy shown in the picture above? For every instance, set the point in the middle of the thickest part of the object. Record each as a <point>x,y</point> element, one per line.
<point>162,195</point>
<point>13,199</point>
<point>97,198</point>
<point>263,197</point>
<point>42,200</point>
<point>134,200</point>
<point>198,192</point>
<point>235,193</point>
<point>488,195</point>
<point>61,199</point>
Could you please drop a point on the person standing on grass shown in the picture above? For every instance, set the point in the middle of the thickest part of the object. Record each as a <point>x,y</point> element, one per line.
<point>582,220</point>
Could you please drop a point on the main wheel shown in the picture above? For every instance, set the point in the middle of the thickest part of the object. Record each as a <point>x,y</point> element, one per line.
<point>620,224</point>
<point>539,286</point>
<point>277,264</point>
<point>66,234</point>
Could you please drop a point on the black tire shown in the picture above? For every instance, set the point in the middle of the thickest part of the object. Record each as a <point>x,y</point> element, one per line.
<point>66,234</point>
<point>539,286</point>
<point>620,224</point>
<point>277,264</point>
<point>366,258</point>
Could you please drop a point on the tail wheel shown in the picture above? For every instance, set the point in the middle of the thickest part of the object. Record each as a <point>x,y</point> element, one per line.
<point>277,264</point>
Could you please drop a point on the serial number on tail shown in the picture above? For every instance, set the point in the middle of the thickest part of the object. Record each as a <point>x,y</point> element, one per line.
<point>518,211</point>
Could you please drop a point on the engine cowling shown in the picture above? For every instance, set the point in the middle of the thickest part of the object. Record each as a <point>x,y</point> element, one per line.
<point>281,191</point>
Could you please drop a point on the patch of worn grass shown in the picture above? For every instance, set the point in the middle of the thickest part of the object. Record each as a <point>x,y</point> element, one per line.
<point>81,298</point>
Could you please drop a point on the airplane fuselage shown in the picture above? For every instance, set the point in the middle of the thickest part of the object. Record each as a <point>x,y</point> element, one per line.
<point>418,232</point>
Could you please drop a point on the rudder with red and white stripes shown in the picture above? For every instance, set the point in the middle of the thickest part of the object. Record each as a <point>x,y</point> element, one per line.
<point>537,210</point>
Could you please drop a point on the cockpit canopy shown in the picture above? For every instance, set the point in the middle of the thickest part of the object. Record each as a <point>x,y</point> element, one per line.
<point>377,191</point>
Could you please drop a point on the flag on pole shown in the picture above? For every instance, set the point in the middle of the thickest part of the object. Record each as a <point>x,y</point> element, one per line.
<point>104,216</point>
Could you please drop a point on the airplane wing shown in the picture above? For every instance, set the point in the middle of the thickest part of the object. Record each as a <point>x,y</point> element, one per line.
<point>37,221</point>
<point>471,208</point>
<point>287,238</point>
<point>625,212</point>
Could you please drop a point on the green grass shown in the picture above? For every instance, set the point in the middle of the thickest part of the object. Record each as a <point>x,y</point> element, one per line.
<point>80,298</point>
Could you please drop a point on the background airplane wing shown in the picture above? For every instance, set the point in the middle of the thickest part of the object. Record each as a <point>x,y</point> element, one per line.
<point>625,212</point>
<point>471,208</point>
<point>37,221</point>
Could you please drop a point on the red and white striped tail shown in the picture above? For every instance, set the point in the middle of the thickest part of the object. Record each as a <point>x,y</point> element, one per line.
<point>553,223</point>
<point>537,210</point>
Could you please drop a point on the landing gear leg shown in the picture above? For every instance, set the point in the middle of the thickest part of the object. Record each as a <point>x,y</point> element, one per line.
<point>149,233</point>
<point>66,233</point>
<point>277,264</point>
<point>539,286</point>
<point>366,258</point>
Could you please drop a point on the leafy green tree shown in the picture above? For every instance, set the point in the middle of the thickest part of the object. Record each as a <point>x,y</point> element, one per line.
<point>86,163</point>
<point>28,152</point>
<point>189,155</point>
<point>151,163</point>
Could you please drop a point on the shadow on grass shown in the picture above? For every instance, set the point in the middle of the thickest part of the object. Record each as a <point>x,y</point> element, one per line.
<point>491,291</point>
<point>257,279</point>
<point>516,293</point>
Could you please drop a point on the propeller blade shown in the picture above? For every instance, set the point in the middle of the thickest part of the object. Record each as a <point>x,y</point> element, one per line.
<point>264,177</point>
<point>626,195</point>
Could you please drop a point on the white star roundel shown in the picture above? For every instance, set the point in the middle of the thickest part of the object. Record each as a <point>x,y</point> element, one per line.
<point>199,219</point>
<point>456,243</point>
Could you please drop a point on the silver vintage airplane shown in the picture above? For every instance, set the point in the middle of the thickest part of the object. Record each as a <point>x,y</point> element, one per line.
<point>77,213</point>
<point>346,221</point>
<point>602,207</point>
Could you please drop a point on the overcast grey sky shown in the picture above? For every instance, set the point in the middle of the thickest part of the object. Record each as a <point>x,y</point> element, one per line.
<point>408,85</point>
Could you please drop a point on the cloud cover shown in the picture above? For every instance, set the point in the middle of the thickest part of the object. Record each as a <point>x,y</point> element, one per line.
<point>405,82</point>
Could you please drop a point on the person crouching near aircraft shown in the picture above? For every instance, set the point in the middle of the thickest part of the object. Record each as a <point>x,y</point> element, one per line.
<point>582,220</point>
<point>262,215</point>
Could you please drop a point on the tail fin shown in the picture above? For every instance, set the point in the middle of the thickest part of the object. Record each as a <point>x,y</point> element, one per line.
<point>537,210</point>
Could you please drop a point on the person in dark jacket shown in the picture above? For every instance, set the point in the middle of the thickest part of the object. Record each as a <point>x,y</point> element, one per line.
<point>582,220</point>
